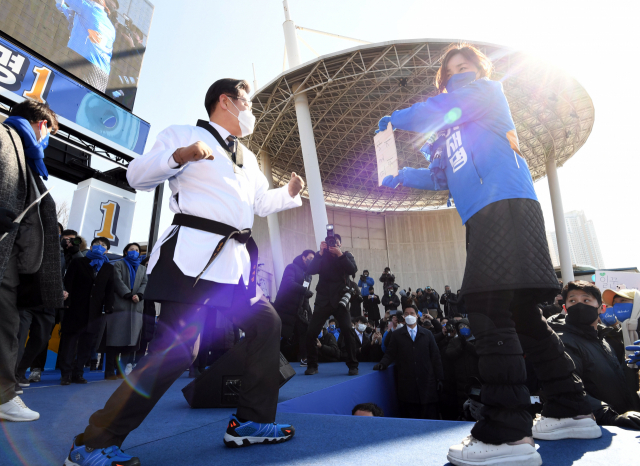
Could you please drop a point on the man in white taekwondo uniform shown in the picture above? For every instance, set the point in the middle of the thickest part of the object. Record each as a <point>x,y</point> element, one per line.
<point>205,260</point>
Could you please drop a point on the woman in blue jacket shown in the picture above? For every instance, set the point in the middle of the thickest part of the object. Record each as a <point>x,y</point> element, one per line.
<point>473,152</point>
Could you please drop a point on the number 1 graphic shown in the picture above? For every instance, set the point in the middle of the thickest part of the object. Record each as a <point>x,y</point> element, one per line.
<point>39,84</point>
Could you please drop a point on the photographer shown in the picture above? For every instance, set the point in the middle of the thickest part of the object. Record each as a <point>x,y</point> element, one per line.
<point>391,300</point>
<point>71,248</point>
<point>433,302</point>
<point>365,283</point>
<point>333,294</point>
<point>446,299</point>
<point>292,303</point>
<point>387,279</point>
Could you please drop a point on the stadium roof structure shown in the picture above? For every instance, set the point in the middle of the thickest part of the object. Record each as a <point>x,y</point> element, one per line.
<point>350,90</point>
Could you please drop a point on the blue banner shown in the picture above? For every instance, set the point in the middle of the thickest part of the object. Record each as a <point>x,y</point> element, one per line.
<point>29,77</point>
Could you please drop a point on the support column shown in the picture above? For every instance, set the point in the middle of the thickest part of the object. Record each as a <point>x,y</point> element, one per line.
<point>274,224</point>
<point>307,140</point>
<point>566,267</point>
<point>155,217</point>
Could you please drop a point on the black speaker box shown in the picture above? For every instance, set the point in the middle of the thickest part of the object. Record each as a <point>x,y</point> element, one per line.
<point>219,385</point>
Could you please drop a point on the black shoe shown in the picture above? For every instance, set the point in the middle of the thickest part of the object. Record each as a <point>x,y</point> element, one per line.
<point>65,380</point>
<point>18,390</point>
<point>23,381</point>
<point>311,371</point>
<point>353,371</point>
<point>94,365</point>
<point>79,380</point>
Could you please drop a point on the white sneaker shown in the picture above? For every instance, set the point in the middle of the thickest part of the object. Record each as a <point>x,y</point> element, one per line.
<point>548,428</point>
<point>473,452</point>
<point>16,410</point>
<point>128,369</point>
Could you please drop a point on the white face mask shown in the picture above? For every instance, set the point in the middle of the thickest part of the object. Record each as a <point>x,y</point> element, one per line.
<point>410,320</point>
<point>246,119</point>
<point>361,327</point>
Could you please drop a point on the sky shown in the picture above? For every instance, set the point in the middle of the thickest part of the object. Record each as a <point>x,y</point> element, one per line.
<point>192,43</point>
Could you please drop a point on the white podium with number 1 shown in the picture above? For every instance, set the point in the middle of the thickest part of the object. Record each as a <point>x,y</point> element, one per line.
<point>100,209</point>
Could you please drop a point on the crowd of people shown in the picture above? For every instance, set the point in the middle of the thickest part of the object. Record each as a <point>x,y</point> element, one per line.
<point>428,336</point>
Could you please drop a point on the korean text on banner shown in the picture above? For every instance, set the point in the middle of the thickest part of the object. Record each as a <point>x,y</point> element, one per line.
<point>386,154</point>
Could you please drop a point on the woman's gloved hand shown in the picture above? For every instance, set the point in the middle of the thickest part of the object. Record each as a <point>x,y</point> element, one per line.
<point>383,123</point>
<point>393,181</point>
<point>635,357</point>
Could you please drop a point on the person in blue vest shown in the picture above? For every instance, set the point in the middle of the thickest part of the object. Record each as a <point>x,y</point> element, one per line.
<point>473,150</point>
<point>365,283</point>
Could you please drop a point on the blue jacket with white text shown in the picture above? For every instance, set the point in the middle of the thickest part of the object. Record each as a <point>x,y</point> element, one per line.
<point>481,161</point>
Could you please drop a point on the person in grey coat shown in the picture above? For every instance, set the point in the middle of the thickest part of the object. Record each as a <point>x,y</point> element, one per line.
<point>31,248</point>
<point>125,323</point>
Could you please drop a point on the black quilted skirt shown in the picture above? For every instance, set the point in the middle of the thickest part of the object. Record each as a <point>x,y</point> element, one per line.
<point>507,250</point>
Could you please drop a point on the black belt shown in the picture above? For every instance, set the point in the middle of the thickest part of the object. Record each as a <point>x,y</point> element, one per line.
<point>228,232</point>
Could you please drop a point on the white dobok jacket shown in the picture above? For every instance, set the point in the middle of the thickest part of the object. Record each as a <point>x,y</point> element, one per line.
<point>209,189</point>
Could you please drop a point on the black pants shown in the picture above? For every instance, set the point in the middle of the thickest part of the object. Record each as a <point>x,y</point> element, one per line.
<point>418,410</point>
<point>174,349</point>
<point>111,364</point>
<point>41,359</point>
<point>300,336</point>
<point>37,325</point>
<point>318,318</point>
<point>507,324</point>
<point>75,352</point>
<point>9,327</point>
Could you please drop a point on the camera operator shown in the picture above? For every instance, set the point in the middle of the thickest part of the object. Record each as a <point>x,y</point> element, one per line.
<point>433,302</point>
<point>446,299</point>
<point>391,300</point>
<point>333,293</point>
<point>387,279</point>
<point>70,243</point>
<point>292,303</point>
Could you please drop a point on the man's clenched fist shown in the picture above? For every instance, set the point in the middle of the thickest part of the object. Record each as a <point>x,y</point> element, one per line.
<point>196,151</point>
<point>295,185</point>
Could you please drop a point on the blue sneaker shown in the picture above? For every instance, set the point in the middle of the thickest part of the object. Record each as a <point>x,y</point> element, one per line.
<point>81,455</point>
<point>243,434</point>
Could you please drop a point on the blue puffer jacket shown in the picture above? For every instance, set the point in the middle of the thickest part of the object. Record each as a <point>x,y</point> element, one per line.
<point>364,286</point>
<point>481,161</point>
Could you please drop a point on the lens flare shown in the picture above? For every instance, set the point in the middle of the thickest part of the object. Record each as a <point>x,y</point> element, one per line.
<point>452,116</point>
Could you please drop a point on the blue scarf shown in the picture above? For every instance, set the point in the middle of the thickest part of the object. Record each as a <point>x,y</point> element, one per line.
<point>97,257</point>
<point>133,264</point>
<point>33,150</point>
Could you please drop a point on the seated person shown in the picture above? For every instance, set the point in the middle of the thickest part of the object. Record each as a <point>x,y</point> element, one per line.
<point>328,350</point>
<point>418,367</point>
<point>362,339</point>
<point>596,363</point>
<point>367,409</point>
<point>333,328</point>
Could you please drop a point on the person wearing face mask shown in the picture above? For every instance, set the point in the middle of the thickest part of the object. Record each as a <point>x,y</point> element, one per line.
<point>292,303</point>
<point>333,329</point>
<point>419,368</point>
<point>473,152</point>
<point>90,283</point>
<point>30,251</point>
<point>328,349</point>
<point>206,261</point>
<point>365,283</point>
<point>124,324</point>
<point>611,399</point>
<point>390,300</point>
<point>361,338</point>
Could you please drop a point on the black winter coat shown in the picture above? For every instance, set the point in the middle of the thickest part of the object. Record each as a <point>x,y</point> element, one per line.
<point>362,349</point>
<point>599,369</point>
<point>329,351</point>
<point>418,363</point>
<point>333,277</point>
<point>387,279</point>
<point>371,303</point>
<point>390,303</point>
<point>88,295</point>
<point>462,355</point>
<point>292,295</point>
<point>448,301</point>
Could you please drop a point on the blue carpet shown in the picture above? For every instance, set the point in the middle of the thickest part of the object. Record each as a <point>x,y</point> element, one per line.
<point>174,434</point>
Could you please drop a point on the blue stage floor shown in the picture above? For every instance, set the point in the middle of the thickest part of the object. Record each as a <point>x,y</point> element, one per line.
<point>174,434</point>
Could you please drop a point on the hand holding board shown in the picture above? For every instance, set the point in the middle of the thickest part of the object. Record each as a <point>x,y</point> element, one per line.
<point>386,153</point>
